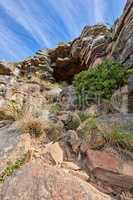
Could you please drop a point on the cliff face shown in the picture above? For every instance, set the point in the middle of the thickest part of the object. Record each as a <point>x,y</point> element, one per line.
<point>52,149</point>
<point>68,59</point>
<point>122,46</point>
<point>95,44</point>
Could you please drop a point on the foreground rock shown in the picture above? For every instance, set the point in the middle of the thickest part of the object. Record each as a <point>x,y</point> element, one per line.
<point>37,181</point>
<point>13,145</point>
<point>6,68</point>
<point>110,169</point>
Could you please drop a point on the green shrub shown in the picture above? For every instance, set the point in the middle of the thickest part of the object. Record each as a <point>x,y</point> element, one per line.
<point>103,80</point>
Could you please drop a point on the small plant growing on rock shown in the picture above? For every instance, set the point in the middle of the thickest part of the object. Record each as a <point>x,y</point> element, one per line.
<point>88,127</point>
<point>16,110</point>
<point>83,116</point>
<point>11,168</point>
<point>120,138</point>
<point>55,108</point>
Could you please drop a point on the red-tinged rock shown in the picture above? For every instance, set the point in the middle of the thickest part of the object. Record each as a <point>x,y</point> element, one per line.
<point>36,181</point>
<point>103,160</point>
<point>110,168</point>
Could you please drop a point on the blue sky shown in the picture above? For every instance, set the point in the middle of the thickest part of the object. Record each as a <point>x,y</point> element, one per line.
<point>29,25</point>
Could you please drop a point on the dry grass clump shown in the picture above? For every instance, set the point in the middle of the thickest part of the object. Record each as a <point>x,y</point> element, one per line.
<point>5,114</point>
<point>32,121</point>
<point>16,110</point>
<point>28,117</point>
<point>35,126</point>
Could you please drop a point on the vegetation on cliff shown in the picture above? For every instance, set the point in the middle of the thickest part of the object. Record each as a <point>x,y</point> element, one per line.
<point>103,80</point>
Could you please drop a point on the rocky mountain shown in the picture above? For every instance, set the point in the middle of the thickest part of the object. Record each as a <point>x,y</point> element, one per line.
<point>50,148</point>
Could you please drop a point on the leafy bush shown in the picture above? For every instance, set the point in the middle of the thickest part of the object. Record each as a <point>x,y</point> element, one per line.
<point>103,80</point>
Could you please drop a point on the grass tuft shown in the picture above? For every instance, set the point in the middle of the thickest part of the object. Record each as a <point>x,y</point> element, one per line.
<point>10,169</point>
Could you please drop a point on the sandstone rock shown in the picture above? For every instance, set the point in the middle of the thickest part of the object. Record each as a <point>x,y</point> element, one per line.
<point>119,100</point>
<point>80,174</point>
<point>53,94</point>
<point>40,64</point>
<point>13,145</point>
<point>5,68</point>
<point>108,122</point>
<point>71,120</point>
<point>122,49</point>
<point>73,140</point>
<point>110,168</point>
<point>67,98</point>
<point>130,94</point>
<point>45,182</point>
<point>70,165</point>
<point>56,152</point>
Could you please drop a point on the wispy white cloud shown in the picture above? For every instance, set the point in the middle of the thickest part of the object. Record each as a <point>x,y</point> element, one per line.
<point>48,21</point>
<point>99,10</point>
<point>10,44</point>
<point>29,15</point>
<point>26,14</point>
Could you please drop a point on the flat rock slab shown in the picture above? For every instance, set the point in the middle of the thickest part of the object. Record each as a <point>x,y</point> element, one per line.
<point>13,145</point>
<point>110,168</point>
<point>9,137</point>
<point>38,182</point>
<point>124,121</point>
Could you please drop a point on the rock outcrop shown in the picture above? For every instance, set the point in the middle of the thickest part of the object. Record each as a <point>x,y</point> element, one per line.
<point>37,181</point>
<point>122,47</point>
<point>6,68</point>
<point>95,44</point>
<point>39,65</point>
<point>49,147</point>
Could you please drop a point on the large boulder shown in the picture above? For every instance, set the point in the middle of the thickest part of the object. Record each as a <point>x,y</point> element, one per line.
<point>36,181</point>
<point>110,168</point>
<point>13,145</point>
<point>6,68</point>
<point>67,98</point>
<point>70,120</point>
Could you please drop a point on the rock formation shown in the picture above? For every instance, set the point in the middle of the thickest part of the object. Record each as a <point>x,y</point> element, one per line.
<point>122,46</point>
<point>95,44</point>
<point>49,147</point>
